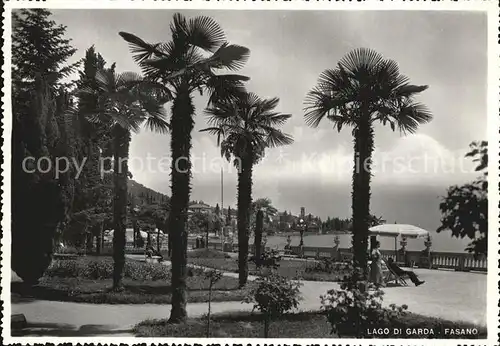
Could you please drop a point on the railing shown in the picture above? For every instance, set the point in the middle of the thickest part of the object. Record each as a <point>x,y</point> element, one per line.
<point>422,259</point>
<point>461,262</point>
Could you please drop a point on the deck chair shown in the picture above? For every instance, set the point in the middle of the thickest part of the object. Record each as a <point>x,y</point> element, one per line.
<point>390,276</point>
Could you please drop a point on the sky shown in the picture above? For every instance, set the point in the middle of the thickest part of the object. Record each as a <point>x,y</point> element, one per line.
<point>289,49</point>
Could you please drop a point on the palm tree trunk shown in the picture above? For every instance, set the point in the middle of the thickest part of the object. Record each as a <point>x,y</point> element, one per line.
<point>258,236</point>
<point>182,124</point>
<point>244,204</point>
<point>121,142</point>
<point>363,148</point>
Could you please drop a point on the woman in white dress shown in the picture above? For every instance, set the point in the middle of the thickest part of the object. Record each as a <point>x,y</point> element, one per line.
<point>376,265</point>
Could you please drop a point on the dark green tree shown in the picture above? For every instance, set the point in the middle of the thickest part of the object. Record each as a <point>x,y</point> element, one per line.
<point>247,126</point>
<point>228,216</point>
<point>364,89</point>
<point>40,201</point>
<point>184,65</point>
<point>465,208</point>
<point>93,189</point>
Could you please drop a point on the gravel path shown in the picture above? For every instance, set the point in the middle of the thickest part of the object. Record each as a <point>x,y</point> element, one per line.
<point>450,295</point>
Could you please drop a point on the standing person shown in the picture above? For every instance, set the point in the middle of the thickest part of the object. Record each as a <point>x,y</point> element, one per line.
<point>376,265</point>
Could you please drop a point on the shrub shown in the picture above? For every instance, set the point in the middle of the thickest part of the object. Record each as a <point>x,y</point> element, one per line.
<point>273,295</point>
<point>356,308</point>
<point>213,276</point>
<point>268,259</point>
<point>207,253</point>
<point>102,269</point>
<point>143,271</point>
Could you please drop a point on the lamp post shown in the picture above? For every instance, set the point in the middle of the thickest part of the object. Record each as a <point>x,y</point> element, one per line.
<point>428,243</point>
<point>302,227</point>
<point>403,243</point>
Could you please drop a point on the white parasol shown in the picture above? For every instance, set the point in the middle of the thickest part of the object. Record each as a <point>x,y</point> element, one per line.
<point>395,230</point>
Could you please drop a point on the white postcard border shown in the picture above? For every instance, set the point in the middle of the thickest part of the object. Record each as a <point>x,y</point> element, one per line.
<point>490,6</point>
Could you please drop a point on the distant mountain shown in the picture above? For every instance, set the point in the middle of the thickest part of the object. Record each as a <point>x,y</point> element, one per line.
<point>144,195</point>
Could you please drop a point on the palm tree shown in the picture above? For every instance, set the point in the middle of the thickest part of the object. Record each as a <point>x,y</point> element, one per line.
<point>124,103</point>
<point>363,89</point>
<point>248,125</point>
<point>186,64</point>
<point>266,205</point>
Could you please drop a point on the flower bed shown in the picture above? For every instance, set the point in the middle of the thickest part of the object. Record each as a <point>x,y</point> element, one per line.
<point>89,280</point>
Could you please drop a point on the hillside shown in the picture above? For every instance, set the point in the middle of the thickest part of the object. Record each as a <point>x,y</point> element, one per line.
<point>144,195</point>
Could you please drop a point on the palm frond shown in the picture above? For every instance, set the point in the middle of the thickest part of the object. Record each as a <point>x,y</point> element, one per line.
<point>267,105</point>
<point>151,106</point>
<point>127,80</point>
<point>215,131</point>
<point>141,50</point>
<point>248,126</point>
<point>159,92</point>
<point>228,56</point>
<point>102,117</point>
<point>276,119</point>
<point>225,88</point>
<point>318,104</point>
<point>361,61</point>
<point>130,121</point>
<point>156,124</point>
<point>408,90</point>
<point>411,114</point>
<point>276,138</point>
<point>205,33</point>
<point>179,28</point>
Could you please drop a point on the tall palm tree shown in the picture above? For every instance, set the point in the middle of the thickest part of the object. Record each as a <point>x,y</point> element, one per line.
<point>363,89</point>
<point>247,125</point>
<point>124,103</point>
<point>186,64</point>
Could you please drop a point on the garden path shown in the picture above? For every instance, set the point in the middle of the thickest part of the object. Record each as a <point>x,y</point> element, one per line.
<point>449,295</point>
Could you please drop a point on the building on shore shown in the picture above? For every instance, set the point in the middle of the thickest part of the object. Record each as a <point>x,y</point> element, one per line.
<point>200,208</point>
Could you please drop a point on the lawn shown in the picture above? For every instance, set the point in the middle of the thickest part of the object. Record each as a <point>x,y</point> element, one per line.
<point>299,325</point>
<point>89,279</point>
<point>290,268</point>
<point>240,325</point>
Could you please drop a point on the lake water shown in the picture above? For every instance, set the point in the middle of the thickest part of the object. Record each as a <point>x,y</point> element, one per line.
<point>441,242</point>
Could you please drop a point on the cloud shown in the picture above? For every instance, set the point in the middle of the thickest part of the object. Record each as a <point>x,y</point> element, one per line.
<point>447,52</point>
<point>413,160</point>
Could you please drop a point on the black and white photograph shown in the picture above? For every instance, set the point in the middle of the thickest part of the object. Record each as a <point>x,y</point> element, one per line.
<point>285,172</point>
